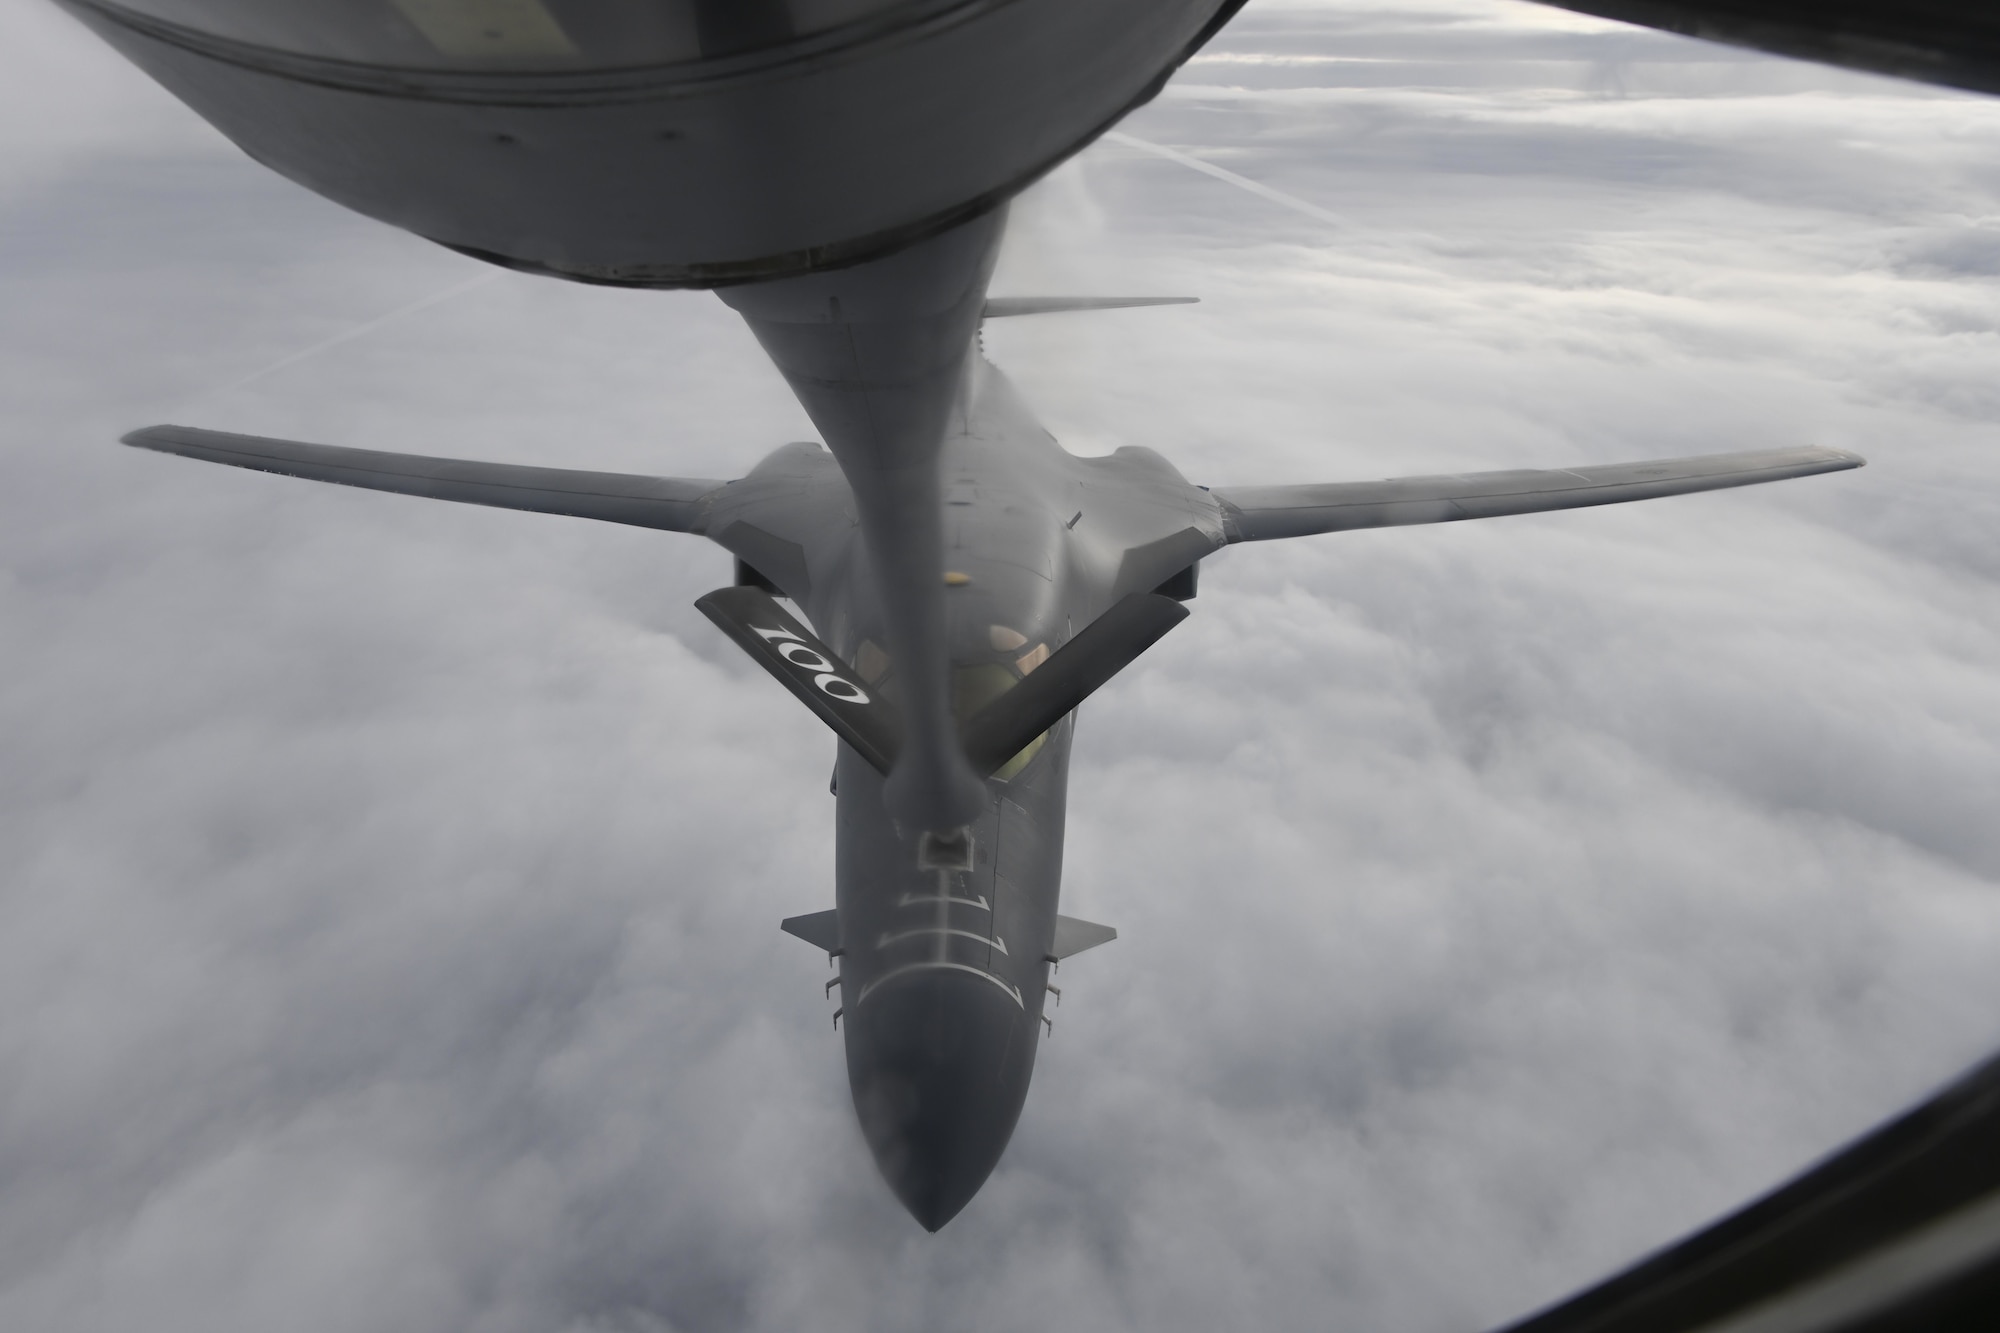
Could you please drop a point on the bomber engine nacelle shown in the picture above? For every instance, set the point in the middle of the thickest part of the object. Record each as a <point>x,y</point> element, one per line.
<point>671,143</point>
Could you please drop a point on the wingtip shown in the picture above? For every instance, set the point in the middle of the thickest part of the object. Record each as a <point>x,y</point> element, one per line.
<point>1825,455</point>
<point>162,438</point>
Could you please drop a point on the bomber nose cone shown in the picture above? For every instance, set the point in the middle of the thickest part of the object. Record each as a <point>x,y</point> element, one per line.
<point>939,1063</point>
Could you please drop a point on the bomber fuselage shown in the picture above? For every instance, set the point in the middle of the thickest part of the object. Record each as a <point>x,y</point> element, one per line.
<point>943,970</point>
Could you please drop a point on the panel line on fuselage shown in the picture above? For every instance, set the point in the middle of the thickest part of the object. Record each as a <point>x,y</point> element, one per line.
<point>992,941</point>
<point>926,899</point>
<point>908,968</point>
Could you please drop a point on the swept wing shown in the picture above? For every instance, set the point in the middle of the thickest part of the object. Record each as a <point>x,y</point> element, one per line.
<point>672,504</point>
<point>1001,307</point>
<point>1263,513</point>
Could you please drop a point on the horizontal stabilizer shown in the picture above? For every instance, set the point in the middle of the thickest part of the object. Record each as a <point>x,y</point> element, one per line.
<point>1074,935</point>
<point>1263,513</point>
<point>999,307</point>
<point>819,929</point>
<point>1103,648</point>
<point>672,504</point>
<point>808,668</point>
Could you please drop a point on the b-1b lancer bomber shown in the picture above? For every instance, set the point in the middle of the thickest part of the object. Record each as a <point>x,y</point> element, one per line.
<point>957,582</point>
<point>1051,573</point>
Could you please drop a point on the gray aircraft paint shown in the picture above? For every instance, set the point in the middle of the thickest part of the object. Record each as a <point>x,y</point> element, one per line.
<point>943,971</point>
<point>854,174</point>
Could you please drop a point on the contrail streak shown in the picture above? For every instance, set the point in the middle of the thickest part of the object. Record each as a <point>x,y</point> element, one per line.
<point>1290,201</point>
<point>349,335</point>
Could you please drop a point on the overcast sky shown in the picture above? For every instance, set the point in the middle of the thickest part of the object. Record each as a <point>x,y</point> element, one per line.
<point>389,890</point>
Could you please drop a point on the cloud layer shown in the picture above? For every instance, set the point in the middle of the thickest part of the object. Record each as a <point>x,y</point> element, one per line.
<point>388,891</point>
